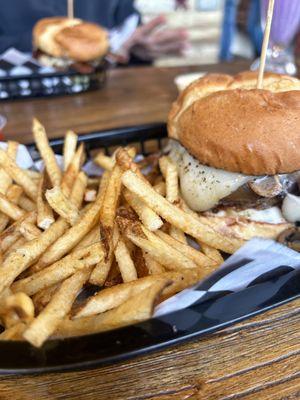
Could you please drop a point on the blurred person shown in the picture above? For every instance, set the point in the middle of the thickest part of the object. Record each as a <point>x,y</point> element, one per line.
<point>148,41</point>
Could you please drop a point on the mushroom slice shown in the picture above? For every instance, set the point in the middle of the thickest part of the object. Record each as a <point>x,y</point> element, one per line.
<point>267,186</point>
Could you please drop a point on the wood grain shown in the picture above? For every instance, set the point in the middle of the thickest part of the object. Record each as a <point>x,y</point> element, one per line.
<point>132,96</point>
<point>257,359</point>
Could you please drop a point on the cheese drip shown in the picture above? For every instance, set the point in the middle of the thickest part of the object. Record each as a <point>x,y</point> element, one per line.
<point>202,187</point>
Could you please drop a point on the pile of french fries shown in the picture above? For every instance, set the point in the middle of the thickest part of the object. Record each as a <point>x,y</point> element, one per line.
<point>127,237</point>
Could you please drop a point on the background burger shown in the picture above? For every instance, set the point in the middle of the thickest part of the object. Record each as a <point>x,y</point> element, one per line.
<point>62,42</point>
<point>237,148</point>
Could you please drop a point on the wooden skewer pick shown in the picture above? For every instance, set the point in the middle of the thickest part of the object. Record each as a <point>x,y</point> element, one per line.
<point>70,8</point>
<point>265,45</point>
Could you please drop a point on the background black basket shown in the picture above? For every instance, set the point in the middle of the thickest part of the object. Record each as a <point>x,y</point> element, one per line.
<point>51,84</point>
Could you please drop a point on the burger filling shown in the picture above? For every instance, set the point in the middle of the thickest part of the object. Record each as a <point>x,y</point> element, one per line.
<point>229,193</point>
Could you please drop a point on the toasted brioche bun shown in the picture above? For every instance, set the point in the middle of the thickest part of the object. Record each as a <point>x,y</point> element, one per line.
<point>226,123</point>
<point>70,38</point>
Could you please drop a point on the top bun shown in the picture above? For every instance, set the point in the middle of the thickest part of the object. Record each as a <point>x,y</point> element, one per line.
<point>70,38</point>
<point>226,123</point>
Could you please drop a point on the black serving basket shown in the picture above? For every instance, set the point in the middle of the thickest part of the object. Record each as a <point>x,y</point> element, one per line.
<point>202,318</point>
<point>38,84</point>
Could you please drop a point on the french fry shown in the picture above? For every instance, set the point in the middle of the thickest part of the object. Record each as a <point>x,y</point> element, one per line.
<point>148,217</point>
<point>78,190</point>
<point>19,242</point>
<point>13,194</point>
<point>26,255</point>
<point>169,171</point>
<point>153,266</point>
<point>69,148</point>
<point>25,203</point>
<point>29,231</point>
<point>125,314</point>
<point>199,258</point>
<point>62,269</point>
<point>178,234</point>
<point>90,238</point>
<point>184,221</point>
<point>212,253</point>
<point>42,298</point>
<point>104,161</point>
<point>46,152</point>
<point>159,250</point>
<point>5,179</point>
<point>125,262</point>
<point>61,205</point>
<point>15,332</point>
<point>114,296</point>
<point>45,216</point>
<point>72,237</point>
<point>18,175</point>
<point>47,321</point>
<point>160,188</point>
<point>10,209</point>
<point>72,171</point>
<point>35,175</point>
<point>21,304</point>
<point>101,270</point>
<point>93,182</point>
<point>138,259</point>
<point>12,234</point>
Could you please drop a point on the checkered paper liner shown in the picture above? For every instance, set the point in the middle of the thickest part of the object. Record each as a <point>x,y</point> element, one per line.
<point>258,261</point>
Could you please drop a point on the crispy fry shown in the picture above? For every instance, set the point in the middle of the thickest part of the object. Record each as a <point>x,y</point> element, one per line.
<point>69,148</point>
<point>114,296</point>
<point>19,242</point>
<point>125,314</point>
<point>5,179</point>
<point>18,175</point>
<point>21,304</point>
<point>10,209</point>
<point>62,269</point>
<point>169,171</point>
<point>71,237</point>
<point>55,311</point>
<point>42,298</point>
<point>45,216</point>
<point>29,231</point>
<point>148,217</point>
<point>46,152</point>
<point>25,203</point>
<point>101,270</point>
<point>15,332</point>
<point>61,205</point>
<point>12,234</point>
<point>14,193</point>
<point>212,253</point>
<point>153,266</point>
<point>25,255</point>
<point>104,161</point>
<point>72,171</point>
<point>12,149</point>
<point>160,188</point>
<point>35,175</point>
<point>186,222</point>
<point>159,250</point>
<point>125,262</point>
<point>77,193</point>
<point>199,258</point>
<point>177,234</point>
<point>90,238</point>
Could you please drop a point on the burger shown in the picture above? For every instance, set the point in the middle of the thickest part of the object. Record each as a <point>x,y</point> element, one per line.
<point>62,42</point>
<point>237,148</point>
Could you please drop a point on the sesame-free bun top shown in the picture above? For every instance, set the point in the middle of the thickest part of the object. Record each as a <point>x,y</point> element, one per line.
<point>70,38</point>
<point>226,123</point>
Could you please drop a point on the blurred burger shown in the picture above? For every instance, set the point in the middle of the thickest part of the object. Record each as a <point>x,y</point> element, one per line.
<point>62,42</point>
<point>237,148</point>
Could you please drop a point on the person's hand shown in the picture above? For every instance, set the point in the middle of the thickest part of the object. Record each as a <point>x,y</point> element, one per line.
<point>148,42</point>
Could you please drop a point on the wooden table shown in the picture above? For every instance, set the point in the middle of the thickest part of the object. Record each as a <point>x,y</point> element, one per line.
<point>258,359</point>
